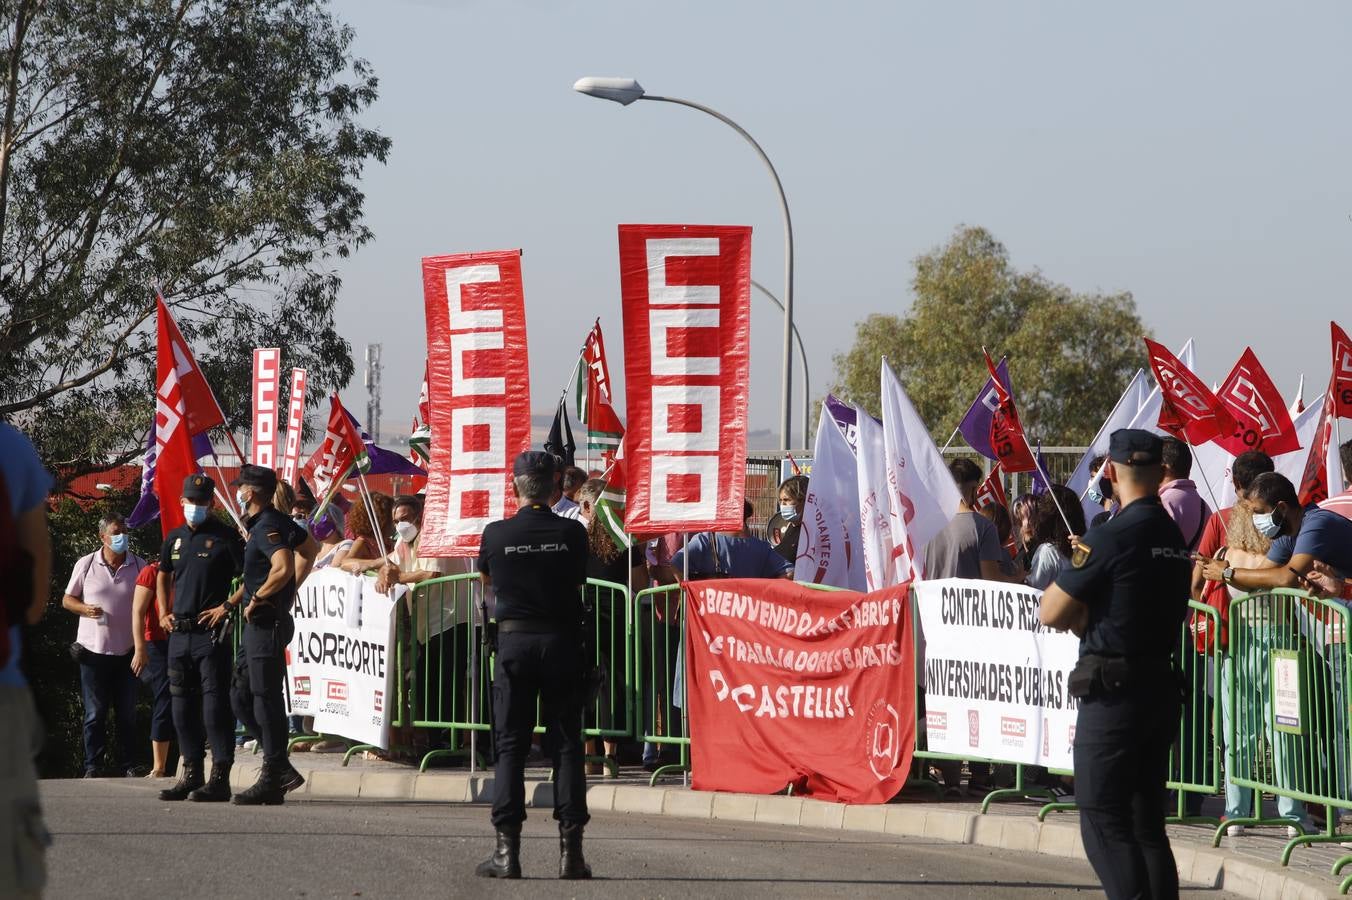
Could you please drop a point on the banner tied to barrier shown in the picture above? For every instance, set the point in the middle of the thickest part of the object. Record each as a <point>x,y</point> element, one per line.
<point>789,685</point>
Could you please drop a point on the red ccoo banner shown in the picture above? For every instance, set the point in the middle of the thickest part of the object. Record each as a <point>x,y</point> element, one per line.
<point>267,374</point>
<point>686,298</point>
<point>295,423</point>
<point>479,393</point>
<point>788,685</point>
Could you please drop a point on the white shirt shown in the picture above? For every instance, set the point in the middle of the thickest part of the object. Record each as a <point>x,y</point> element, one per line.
<point>97,583</point>
<point>564,507</point>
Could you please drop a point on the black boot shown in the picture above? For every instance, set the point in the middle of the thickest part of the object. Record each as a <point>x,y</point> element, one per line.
<point>290,779</point>
<point>266,791</point>
<point>506,859</point>
<point>189,780</point>
<point>217,789</point>
<point>571,862</point>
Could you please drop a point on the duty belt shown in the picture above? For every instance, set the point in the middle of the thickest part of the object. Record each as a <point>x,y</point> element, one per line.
<point>187,626</point>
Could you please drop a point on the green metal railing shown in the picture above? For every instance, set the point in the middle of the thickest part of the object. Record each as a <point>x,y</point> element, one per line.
<point>659,648</point>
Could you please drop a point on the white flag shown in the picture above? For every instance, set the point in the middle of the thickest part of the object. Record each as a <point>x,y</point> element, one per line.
<point>1211,463</point>
<point>875,531</point>
<point>922,497</point>
<point>1128,406</point>
<point>829,550</point>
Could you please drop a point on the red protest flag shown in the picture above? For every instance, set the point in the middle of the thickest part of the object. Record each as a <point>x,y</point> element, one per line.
<point>1342,371</point>
<point>1314,482</point>
<point>1007,438</point>
<point>992,491</point>
<point>201,410</point>
<point>1190,411</point>
<point>1262,421</point>
<point>174,459</point>
<point>341,451</point>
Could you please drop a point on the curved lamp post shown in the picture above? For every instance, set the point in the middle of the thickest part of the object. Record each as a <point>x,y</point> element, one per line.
<point>807,379</point>
<point>625,91</point>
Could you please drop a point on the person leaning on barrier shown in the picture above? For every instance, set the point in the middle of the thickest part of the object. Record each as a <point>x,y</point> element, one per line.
<point>198,561</point>
<point>536,562</point>
<point>1125,594</point>
<point>276,550</point>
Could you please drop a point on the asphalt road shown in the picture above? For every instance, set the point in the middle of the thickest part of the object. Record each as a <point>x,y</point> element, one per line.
<point>114,839</point>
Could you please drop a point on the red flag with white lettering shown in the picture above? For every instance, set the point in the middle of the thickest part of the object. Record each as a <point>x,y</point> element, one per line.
<point>1314,481</point>
<point>174,460</point>
<point>199,403</point>
<point>788,685</point>
<point>1262,421</point>
<point>1190,411</point>
<point>992,491</point>
<point>479,394</point>
<point>267,387</point>
<point>686,292</point>
<point>1342,370</point>
<point>295,424</point>
<point>1007,438</point>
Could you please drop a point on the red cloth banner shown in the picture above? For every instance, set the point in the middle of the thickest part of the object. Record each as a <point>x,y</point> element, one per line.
<point>267,377</point>
<point>1189,411</point>
<point>1007,438</point>
<point>686,292</point>
<point>295,424</point>
<point>174,459</point>
<point>1342,370</point>
<point>1314,482</point>
<point>199,403</point>
<point>789,685</point>
<point>478,392</point>
<point>1262,421</point>
<point>992,490</point>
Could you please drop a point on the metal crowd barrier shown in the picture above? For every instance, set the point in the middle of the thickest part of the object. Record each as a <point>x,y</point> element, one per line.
<point>1288,690</point>
<point>659,649</point>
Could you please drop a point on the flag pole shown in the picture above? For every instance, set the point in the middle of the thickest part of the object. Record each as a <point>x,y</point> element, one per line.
<point>371,511</point>
<point>952,437</point>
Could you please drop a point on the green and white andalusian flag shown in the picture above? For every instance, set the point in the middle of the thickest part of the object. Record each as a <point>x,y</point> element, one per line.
<point>593,399</point>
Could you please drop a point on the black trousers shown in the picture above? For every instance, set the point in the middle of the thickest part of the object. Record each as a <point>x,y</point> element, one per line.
<point>258,694</point>
<point>547,667</point>
<point>199,682</point>
<point>1121,764</point>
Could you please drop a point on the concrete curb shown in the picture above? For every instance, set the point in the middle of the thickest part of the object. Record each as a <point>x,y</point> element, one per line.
<point>1205,867</point>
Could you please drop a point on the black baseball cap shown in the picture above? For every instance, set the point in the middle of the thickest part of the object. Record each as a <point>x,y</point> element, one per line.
<point>256,476</point>
<point>1135,447</point>
<point>535,462</point>
<point>198,488</point>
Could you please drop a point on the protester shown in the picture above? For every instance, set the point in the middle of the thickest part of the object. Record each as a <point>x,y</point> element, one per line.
<point>100,593</point>
<point>998,514</point>
<point>1179,494</point>
<point>792,499</point>
<point>969,546</point>
<point>1101,494</point>
<point>151,663</point>
<point>365,547</point>
<point>1341,503</point>
<point>1021,512</point>
<point>570,482</point>
<point>1125,595</point>
<point>737,554</point>
<point>327,529</point>
<point>25,570</point>
<point>1052,541</point>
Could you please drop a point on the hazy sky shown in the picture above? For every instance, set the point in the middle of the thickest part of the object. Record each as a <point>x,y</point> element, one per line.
<point>1195,154</point>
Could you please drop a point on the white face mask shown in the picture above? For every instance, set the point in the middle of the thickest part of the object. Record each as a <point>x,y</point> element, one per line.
<point>1267,524</point>
<point>194,513</point>
<point>242,499</point>
<point>407,531</point>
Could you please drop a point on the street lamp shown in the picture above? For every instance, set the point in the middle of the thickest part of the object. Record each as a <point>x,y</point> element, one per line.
<point>625,91</point>
<point>807,380</point>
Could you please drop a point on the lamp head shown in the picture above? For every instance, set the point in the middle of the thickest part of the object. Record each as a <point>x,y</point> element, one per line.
<point>622,90</point>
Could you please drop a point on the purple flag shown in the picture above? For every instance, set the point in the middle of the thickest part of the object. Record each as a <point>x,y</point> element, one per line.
<point>384,462</point>
<point>976,425</point>
<point>1039,483</point>
<point>847,418</point>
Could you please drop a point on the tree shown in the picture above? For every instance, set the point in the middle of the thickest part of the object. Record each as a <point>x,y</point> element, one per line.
<point>210,147</point>
<point>1070,355</point>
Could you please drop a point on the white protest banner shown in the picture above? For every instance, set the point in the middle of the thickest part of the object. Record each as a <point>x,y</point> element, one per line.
<point>994,677</point>
<point>340,663</point>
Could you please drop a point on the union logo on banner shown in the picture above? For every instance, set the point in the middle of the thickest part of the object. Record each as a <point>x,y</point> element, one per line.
<point>686,292</point>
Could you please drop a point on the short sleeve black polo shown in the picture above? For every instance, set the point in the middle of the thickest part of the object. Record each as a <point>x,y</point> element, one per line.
<point>538,563</point>
<point>1135,573</point>
<point>203,562</point>
<point>270,531</point>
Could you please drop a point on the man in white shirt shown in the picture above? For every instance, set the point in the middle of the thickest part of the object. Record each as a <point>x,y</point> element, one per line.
<point>100,593</point>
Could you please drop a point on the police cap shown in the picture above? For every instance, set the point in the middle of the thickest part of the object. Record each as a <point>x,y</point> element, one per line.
<point>260,477</point>
<point>535,462</point>
<point>1135,447</point>
<point>198,488</point>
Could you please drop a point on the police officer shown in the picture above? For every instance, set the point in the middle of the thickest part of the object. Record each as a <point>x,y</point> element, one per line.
<point>268,590</point>
<point>1125,593</point>
<point>536,563</point>
<point>198,561</point>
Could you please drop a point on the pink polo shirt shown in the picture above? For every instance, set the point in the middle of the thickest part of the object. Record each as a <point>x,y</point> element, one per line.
<point>97,583</point>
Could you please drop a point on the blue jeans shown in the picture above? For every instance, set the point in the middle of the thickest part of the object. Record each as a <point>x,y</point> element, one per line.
<point>1255,677</point>
<point>106,683</point>
<point>156,677</point>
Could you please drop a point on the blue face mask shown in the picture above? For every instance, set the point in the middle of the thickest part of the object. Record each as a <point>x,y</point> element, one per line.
<point>1093,496</point>
<point>789,512</point>
<point>118,543</point>
<point>1267,524</point>
<point>194,513</point>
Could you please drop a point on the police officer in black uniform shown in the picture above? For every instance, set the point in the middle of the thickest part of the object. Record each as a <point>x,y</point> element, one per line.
<point>268,590</point>
<point>536,563</point>
<point>200,559</point>
<point>1125,593</point>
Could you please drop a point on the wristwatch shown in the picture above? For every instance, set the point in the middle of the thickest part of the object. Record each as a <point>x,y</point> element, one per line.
<point>1227,573</point>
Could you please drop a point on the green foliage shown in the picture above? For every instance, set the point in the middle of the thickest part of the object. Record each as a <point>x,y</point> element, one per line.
<point>1070,355</point>
<point>207,146</point>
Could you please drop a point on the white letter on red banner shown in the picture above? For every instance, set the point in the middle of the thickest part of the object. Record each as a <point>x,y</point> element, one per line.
<point>686,291</point>
<point>295,422</point>
<point>479,386</point>
<point>267,362</point>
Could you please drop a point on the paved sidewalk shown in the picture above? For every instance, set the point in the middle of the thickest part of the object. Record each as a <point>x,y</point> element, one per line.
<point>1247,866</point>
